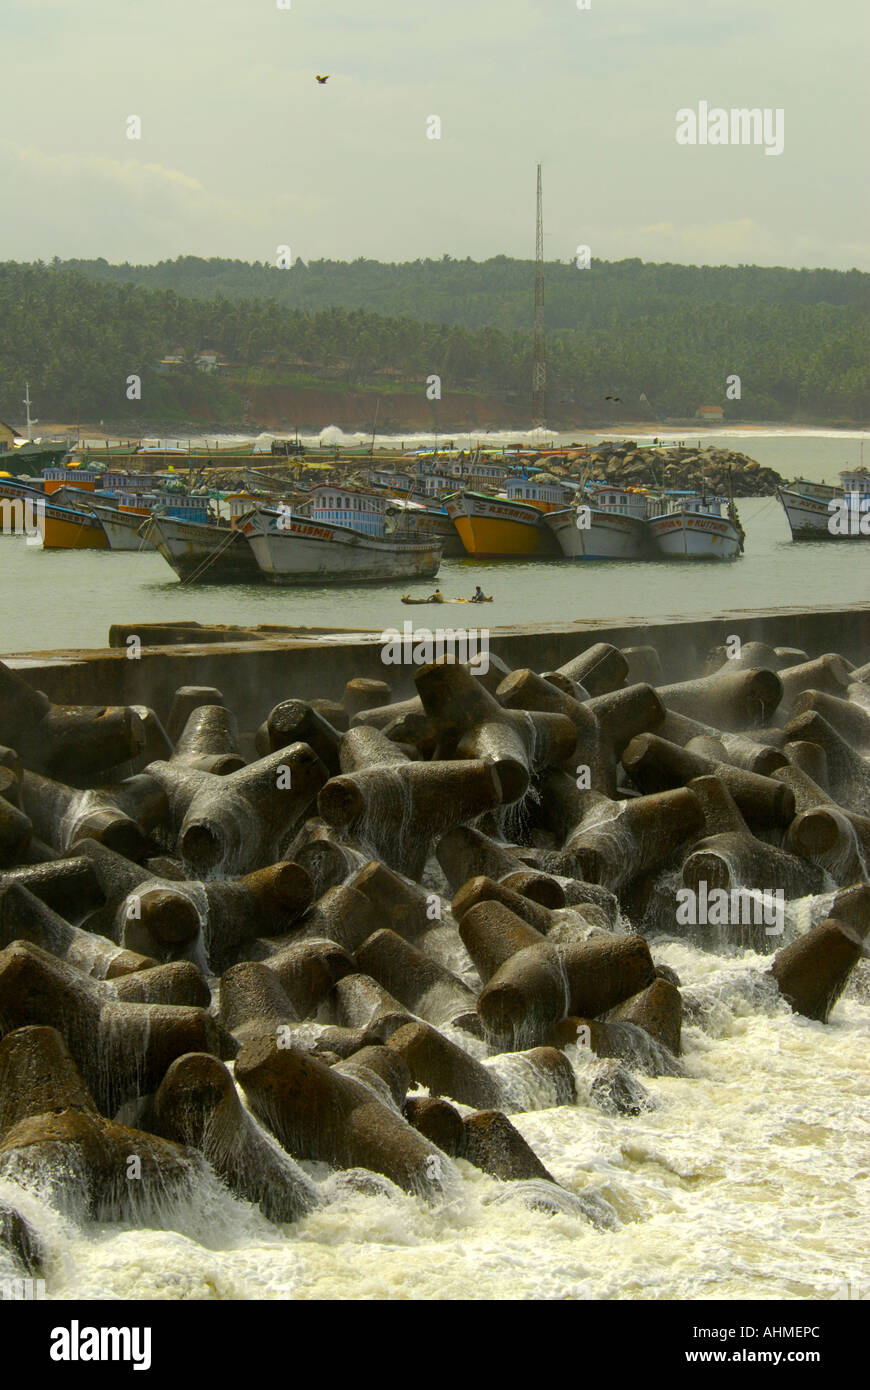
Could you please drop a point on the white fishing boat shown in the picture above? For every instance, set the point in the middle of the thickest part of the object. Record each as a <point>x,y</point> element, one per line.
<point>123,529</point>
<point>820,512</point>
<point>608,523</point>
<point>696,527</point>
<point>293,549</point>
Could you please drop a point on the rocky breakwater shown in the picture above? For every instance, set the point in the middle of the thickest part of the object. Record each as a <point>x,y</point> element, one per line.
<point>681,466</point>
<point>403,924</point>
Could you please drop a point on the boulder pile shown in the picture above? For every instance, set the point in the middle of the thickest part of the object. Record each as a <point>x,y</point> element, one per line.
<point>682,466</point>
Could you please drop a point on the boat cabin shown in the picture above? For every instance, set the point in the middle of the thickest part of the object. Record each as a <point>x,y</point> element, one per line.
<point>430,484</point>
<point>539,493</point>
<point>183,507</point>
<point>128,482</point>
<point>706,504</point>
<point>83,478</point>
<point>618,500</point>
<point>349,506</point>
<point>855,481</point>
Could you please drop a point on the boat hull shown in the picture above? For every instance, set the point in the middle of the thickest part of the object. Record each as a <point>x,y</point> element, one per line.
<point>609,536</point>
<point>309,552</point>
<point>203,554</point>
<point>694,536</point>
<point>493,529</point>
<point>69,530</point>
<point>810,518</point>
<point>122,531</point>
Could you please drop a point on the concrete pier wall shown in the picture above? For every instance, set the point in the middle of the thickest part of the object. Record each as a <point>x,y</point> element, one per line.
<point>257,667</point>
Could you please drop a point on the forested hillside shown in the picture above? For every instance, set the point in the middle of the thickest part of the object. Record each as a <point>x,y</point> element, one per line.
<point>496,293</point>
<point>799,341</point>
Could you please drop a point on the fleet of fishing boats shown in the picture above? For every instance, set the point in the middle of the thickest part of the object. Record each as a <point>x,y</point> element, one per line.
<point>398,524</point>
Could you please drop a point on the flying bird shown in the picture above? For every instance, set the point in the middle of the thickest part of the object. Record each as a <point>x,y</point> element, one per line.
<point>320,79</point>
<point>613,398</point>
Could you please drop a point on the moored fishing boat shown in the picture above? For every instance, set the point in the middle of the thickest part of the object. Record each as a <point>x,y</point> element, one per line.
<point>493,527</point>
<point>123,527</point>
<point>68,528</point>
<point>819,512</point>
<point>201,552</point>
<point>693,526</point>
<point>607,524</point>
<point>293,549</point>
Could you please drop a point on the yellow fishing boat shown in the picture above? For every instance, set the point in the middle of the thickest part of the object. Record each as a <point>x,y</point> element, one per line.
<point>492,527</point>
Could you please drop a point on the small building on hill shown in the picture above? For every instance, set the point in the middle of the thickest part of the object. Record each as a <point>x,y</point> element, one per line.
<point>208,360</point>
<point>710,412</point>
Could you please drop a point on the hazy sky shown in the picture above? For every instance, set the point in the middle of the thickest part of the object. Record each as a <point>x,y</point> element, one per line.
<point>242,151</point>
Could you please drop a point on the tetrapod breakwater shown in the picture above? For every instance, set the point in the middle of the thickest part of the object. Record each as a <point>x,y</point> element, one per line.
<point>286,930</point>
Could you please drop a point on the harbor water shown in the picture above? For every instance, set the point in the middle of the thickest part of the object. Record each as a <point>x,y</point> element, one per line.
<point>68,598</point>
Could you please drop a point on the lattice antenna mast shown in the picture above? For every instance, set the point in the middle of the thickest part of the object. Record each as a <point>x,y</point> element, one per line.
<point>539,361</point>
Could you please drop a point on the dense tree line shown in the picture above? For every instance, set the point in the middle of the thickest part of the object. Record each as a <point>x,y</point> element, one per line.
<point>494,293</point>
<point>799,341</point>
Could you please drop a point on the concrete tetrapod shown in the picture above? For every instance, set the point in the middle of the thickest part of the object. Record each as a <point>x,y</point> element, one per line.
<point>122,1049</point>
<point>197,1105</point>
<point>836,840</point>
<point>732,700</point>
<point>399,809</point>
<point>120,817</point>
<point>209,741</point>
<point>539,985</point>
<point>642,834</point>
<point>234,823</point>
<point>185,700</point>
<point>68,886</point>
<point>813,971</point>
<point>294,721</point>
<point>472,724</point>
<point>420,983</point>
<point>65,740</point>
<point>24,918</point>
<point>317,1113</point>
<point>53,1136</point>
<point>655,765</point>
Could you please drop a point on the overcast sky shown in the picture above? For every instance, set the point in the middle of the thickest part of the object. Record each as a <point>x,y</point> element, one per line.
<point>243,151</point>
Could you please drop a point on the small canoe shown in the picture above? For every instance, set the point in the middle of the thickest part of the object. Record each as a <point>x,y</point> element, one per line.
<point>435,604</point>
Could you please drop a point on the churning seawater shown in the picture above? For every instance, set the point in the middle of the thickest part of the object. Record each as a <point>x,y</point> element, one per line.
<point>749,1180</point>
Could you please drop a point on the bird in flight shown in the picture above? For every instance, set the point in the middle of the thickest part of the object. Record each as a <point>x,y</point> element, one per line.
<point>613,398</point>
<point>320,79</point>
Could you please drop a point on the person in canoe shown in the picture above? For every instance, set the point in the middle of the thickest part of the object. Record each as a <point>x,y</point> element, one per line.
<point>437,597</point>
<point>478,596</point>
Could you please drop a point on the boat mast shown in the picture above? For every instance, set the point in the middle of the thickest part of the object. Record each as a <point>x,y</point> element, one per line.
<point>539,360</point>
<point>375,427</point>
<point>30,421</point>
